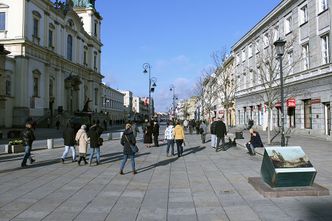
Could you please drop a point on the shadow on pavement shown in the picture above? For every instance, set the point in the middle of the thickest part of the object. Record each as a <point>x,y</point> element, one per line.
<point>192,150</point>
<point>118,156</point>
<point>34,165</point>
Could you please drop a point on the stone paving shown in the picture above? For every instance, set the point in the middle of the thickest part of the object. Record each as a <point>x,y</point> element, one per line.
<point>201,185</point>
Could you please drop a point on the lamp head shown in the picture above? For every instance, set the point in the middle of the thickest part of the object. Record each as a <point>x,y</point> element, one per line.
<point>280,47</point>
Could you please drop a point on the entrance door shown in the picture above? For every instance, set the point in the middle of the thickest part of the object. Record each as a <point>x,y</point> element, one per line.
<point>327,118</point>
<point>307,114</point>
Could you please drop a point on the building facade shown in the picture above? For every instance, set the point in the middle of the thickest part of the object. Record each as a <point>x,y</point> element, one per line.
<point>307,69</point>
<point>54,61</point>
<point>140,108</point>
<point>112,105</point>
<point>128,104</point>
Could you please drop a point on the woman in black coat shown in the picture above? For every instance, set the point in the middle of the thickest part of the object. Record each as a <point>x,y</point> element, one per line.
<point>128,139</point>
<point>148,135</point>
<point>94,135</point>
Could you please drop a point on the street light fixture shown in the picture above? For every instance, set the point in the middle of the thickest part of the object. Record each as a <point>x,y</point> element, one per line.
<point>172,88</point>
<point>280,50</point>
<point>147,70</point>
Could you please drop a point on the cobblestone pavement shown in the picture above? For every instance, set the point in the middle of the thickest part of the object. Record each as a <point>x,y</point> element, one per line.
<point>201,185</point>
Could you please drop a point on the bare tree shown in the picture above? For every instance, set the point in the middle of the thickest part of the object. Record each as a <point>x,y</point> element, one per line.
<point>226,85</point>
<point>266,74</point>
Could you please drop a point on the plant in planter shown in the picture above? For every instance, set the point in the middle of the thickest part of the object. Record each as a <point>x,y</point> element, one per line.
<point>15,146</point>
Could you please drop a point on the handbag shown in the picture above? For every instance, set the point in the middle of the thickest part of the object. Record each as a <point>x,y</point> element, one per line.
<point>133,147</point>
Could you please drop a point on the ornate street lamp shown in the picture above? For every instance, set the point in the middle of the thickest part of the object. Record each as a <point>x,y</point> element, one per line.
<point>280,50</point>
<point>172,88</point>
<point>152,84</point>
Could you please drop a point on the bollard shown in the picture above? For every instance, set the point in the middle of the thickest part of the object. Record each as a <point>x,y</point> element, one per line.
<point>121,133</point>
<point>50,143</point>
<point>110,137</point>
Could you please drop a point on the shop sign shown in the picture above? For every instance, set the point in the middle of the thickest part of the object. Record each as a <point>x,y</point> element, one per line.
<point>278,104</point>
<point>315,101</point>
<point>291,102</point>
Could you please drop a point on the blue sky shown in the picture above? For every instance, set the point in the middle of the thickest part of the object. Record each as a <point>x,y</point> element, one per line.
<point>176,37</point>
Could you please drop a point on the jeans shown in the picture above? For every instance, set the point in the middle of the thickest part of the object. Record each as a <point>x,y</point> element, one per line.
<point>222,141</point>
<point>203,137</point>
<point>213,140</point>
<point>27,153</point>
<point>73,152</point>
<point>179,147</point>
<point>92,152</point>
<point>125,158</point>
<point>170,143</point>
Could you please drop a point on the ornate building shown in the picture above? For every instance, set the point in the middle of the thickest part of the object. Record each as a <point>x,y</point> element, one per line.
<point>54,61</point>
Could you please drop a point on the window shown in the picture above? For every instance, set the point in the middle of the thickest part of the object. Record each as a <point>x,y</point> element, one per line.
<point>35,86</point>
<point>290,61</point>
<point>325,49</point>
<point>322,5</point>
<point>257,46</point>
<point>307,114</point>
<point>8,88</point>
<point>237,59</point>
<point>35,27</point>
<point>2,21</point>
<point>266,40</point>
<point>50,38</point>
<point>288,24</point>
<point>243,55</point>
<point>84,58</point>
<point>250,51</point>
<point>96,96</point>
<point>96,28</point>
<point>276,35</point>
<point>305,54</point>
<point>303,16</point>
<point>95,61</point>
<point>69,47</point>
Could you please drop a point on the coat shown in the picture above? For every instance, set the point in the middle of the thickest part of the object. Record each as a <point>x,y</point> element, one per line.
<point>82,140</point>
<point>220,129</point>
<point>28,136</point>
<point>94,136</point>
<point>256,141</point>
<point>69,136</point>
<point>178,132</point>
<point>169,133</point>
<point>148,134</point>
<point>127,139</point>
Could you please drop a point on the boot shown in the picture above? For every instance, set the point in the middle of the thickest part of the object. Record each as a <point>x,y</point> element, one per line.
<point>134,172</point>
<point>79,161</point>
<point>121,172</point>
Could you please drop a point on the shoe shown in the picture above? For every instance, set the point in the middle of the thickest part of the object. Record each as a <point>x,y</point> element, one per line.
<point>79,163</point>
<point>32,160</point>
<point>134,172</point>
<point>62,160</point>
<point>85,162</point>
<point>121,172</point>
<point>97,163</point>
<point>173,154</point>
<point>23,165</point>
<point>90,164</point>
<point>74,161</point>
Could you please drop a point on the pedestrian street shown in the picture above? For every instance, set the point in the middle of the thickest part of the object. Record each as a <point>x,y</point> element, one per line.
<point>201,185</point>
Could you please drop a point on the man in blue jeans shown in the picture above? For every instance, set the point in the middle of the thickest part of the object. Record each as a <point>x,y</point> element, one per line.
<point>28,137</point>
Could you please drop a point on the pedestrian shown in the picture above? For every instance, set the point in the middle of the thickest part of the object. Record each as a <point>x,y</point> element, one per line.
<point>148,135</point>
<point>48,122</point>
<point>191,126</point>
<point>156,133</point>
<point>28,137</point>
<point>179,138</point>
<point>128,139</point>
<point>95,142</point>
<point>197,125</point>
<point>169,138</point>
<point>185,124</point>
<point>135,129</point>
<point>220,133</point>
<point>203,131</point>
<point>69,142</point>
<point>82,141</point>
<point>213,133</point>
<point>57,124</point>
<point>255,141</point>
<point>105,125</point>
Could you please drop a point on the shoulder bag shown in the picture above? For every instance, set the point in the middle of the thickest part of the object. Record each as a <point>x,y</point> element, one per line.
<point>133,147</point>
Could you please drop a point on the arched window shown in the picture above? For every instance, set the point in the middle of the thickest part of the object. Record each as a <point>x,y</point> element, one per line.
<point>69,47</point>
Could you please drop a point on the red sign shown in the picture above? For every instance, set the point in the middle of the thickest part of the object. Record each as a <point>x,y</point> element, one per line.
<point>278,104</point>
<point>291,102</point>
<point>315,101</point>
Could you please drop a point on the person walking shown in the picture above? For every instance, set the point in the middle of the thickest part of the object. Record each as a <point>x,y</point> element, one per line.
<point>179,138</point>
<point>57,124</point>
<point>213,133</point>
<point>148,135</point>
<point>169,138</point>
<point>28,137</point>
<point>95,142</point>
<point>128,139</point>
<point>134,129</point>
<point>69,142</point>
<point>155,133</point>
<point>221,132</point>
<point>203,131</point>
<point>82,140</point>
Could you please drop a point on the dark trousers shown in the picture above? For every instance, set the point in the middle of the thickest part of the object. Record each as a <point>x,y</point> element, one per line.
<point>27,154</point>
<point>222,138</point>
<point>179,147</point>
<point>170,144</point>
<point>155,140</point>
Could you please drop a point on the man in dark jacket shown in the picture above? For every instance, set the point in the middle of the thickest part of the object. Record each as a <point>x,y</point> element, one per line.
<point>220,132</point>
<point>95,142</point>
<point>69,142</point>
<point>28,137</point>
<point>156,133</point>
<point>127,140</point>
<point>255,141</point>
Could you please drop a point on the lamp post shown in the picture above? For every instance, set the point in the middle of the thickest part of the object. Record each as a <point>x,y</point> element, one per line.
<point>172,88</point>
<point>147,69</point>
<point>280,48</point>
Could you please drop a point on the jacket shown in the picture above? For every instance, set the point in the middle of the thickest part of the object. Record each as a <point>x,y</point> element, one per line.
<point>155,130</point>
<point>94,135</point>
<point>203,127</point>
<point>220,129</point>
<point>178,132</point>
<point>69,136</point>
<point>127,139</point>
<point>256,141</point>
<point>82,140</point>
<point>169,133</point>
<point>28,136</point>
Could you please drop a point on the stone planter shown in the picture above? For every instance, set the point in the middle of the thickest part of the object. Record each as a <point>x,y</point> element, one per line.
<point>17,148</point>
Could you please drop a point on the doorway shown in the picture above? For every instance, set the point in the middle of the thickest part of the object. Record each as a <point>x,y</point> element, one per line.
<point>327,110</point>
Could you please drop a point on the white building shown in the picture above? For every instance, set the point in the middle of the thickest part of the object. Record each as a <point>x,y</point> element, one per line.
<point>128,103</point>
<point>306,27</point>
<point>112,105</point>
<point>54,60</point>
<point>140,108</point>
